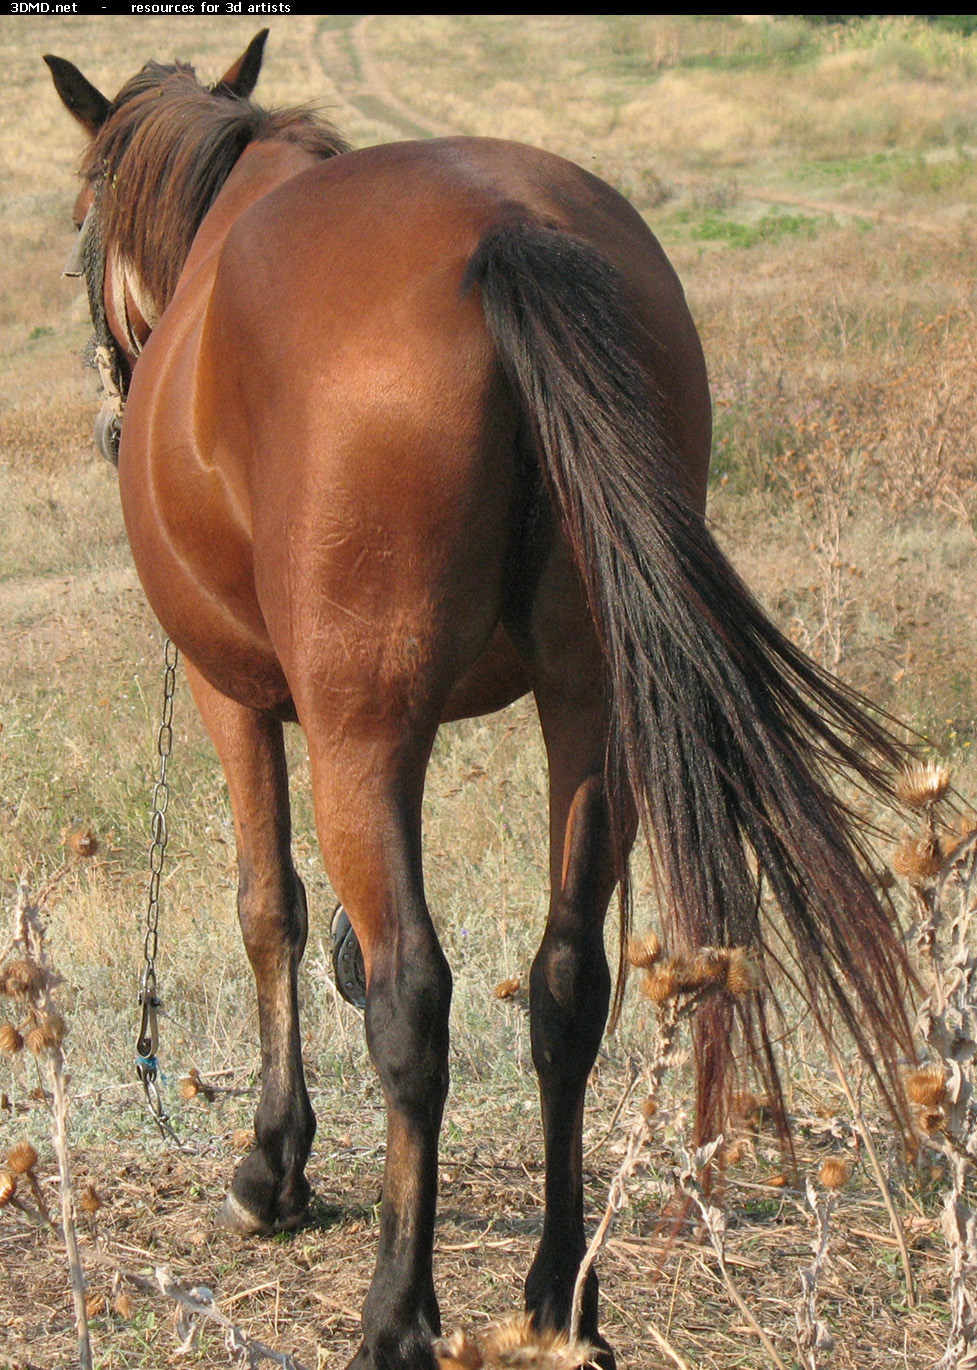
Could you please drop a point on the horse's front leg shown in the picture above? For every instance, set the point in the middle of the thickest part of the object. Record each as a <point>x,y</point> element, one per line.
<point>270,1190</point>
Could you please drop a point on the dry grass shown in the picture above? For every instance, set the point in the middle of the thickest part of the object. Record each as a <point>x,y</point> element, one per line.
<point>302,1293</point>
<point>840,347</point>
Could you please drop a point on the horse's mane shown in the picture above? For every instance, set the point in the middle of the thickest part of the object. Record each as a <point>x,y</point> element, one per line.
<point>162,155</point>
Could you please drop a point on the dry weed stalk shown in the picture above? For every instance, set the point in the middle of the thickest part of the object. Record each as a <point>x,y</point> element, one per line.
<point>824,476</point>
<point>198,1305</point>
<point>9,1196</point>
<point>942,880</point>
<point>865,1133</point>
<point>28,978</point>
<point>813,1334</point>
<point>677,986</point>
<point>945,1105</point>
<point>714,1221</point>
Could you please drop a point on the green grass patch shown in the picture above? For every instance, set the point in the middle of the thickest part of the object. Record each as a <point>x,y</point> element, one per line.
<point>775,226</point>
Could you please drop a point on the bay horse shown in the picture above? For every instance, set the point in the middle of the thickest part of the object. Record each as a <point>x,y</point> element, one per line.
<point>409,432</point>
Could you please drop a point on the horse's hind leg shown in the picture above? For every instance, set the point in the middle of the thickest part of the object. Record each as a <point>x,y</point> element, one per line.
<point>270,1189</point>
<point>368,786</point>
<point>569,997</point>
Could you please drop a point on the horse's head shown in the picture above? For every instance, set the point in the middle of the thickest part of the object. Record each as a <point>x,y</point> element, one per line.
<point>132,211</point>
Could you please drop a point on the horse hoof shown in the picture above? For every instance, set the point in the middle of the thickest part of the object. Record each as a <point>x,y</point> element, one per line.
<point>232,1216</point>
<point>347,960</point>
<point>291,1222</point>
<point>603,1356</point>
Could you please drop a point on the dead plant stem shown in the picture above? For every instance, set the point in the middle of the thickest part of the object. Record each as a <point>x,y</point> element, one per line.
<point>897,1228</point>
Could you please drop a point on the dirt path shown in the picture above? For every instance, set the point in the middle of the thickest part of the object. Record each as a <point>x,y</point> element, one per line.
<point>344,57</point>
<point>848,211</point>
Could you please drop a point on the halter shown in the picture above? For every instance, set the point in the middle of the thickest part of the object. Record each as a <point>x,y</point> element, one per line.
<point>87,259</point>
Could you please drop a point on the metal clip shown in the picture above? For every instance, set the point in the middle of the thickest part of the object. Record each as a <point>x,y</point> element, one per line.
<point>147,1067</point>
<point>148,1039</point>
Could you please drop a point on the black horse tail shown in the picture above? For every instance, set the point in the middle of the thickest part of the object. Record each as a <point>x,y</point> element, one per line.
<point>723,734</point>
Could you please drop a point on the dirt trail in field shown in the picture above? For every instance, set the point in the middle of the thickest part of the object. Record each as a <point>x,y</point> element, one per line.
<point>847,211</point>
<point>348,65</point>
<point>350,68</point>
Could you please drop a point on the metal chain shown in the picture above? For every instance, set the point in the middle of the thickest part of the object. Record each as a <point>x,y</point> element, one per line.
<point>147,1042</point>
<point>161,797</point>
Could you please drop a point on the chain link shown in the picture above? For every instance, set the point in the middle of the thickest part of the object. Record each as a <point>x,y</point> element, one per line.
<point>147,1042</point>
<point>160,801</point>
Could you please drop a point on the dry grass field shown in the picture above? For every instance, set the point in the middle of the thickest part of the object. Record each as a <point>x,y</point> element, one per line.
<point>814,188</point>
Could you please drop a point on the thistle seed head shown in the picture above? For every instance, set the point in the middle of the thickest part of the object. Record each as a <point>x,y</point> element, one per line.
<point>743,975</point>
<point>917,859</point>
<point>834,1172</point>
<point>122,1306</point>
<point>930,1121</point>
<point>734,1152</point>
<point>21,979</point>
<point>10,1038</point>
<point>706,969</point>
<point>517,1342</point>
<point>923,785</point>
<point>927,1086</point>
<point>47,1034</point>
<point>82,843</point>
<point>506,989</point>
<point>90,1199</point>
<point>458,1352</point>
<point>21,1158</point>
<point>645,950</point>
<point>948,844</point>
<point>661,983</point>
<point>8,1187</point>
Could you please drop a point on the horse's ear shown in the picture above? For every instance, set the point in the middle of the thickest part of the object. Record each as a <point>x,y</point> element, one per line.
<point>241,78</point>
<point>88,105</point>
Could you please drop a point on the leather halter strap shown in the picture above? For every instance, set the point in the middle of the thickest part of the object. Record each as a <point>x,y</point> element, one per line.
<point>88,260</point>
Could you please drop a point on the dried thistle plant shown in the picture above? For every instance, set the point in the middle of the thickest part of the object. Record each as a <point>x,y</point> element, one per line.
<point>813,1334</point>
<point>28,979</point>
<point>193,1085</point>
<point>677,986</point>
<point>513,1345</point>
<point>22,1161</point>
<point>924,785</point>
<point>687,1182</point>
<point>197,1305</point>
<point>941,1094</point>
